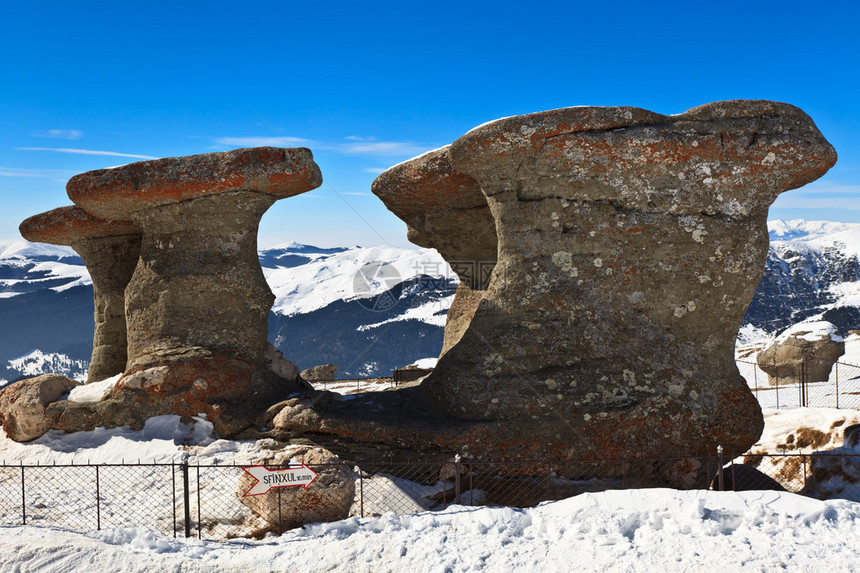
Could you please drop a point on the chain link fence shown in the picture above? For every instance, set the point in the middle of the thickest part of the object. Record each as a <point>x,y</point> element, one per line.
<point>794,388</point>
<point>213,501</point>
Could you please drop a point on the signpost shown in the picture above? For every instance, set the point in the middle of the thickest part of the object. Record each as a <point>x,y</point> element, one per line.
<point>267,479</point>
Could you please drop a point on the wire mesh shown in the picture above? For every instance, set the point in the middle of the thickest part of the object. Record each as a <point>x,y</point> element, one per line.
<point>217,504</point>
<point>787,388</point>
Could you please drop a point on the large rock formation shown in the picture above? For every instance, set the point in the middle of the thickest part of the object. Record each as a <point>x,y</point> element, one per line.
<point>197,304</point>
<point>805,352</point>
<point>110,250</point>
<point>629,247</point>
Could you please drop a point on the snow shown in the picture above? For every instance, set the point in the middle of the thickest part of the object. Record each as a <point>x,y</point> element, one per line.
<point>435,313</point>
<point>811,331</point>
<point>357,273</point>
<point>425,363</point>
<point>23,250</point>
<point>37,362</point>
<point>636,530</point>
<point>94,391</point>
<point>779,424</point>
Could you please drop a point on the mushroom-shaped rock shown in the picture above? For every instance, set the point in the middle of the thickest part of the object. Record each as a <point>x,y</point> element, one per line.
<point>198,296</point>
<point>805,352</point>
<point>630,244</point>
<point>445,210</point>
<point>110,250</point>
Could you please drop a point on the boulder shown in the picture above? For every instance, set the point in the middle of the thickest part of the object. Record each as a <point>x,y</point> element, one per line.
<point>806,351</point>
<point>328,498</point>
<point>280,365</point>
<point>23,404</point>
<point>321,373</point>
<point>110,250</point>
<point>198,302</point>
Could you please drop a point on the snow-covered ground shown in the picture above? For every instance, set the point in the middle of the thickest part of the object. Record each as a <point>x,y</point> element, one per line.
<point>637,530</point>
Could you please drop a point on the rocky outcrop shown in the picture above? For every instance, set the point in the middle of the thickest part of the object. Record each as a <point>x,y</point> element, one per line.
<point>23,405</point>
<point>110,250</point>
<point>197,304</point>
<point>328,498</point>
<point>321,373</point>
<point>805,352</point>
<point>629,247</point>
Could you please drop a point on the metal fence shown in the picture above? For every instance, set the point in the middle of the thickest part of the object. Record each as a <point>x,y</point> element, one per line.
<point>206,500</point>
<point>796,388</point>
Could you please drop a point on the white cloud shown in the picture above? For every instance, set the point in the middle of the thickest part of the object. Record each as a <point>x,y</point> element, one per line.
<point>261,141</point>
<point>373,147</point>
<point>59,134</point>
<point>87,152</point>
<point>357,193</point>
<point>376,170</point>
<point>40,173</point>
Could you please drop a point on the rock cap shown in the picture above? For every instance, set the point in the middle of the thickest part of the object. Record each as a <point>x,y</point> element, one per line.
<point>120,192</point>
<point>68,225</point>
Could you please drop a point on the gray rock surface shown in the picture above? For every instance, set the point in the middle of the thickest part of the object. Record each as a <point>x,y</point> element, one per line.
<point>110,250</point>
<point>806,351</point>
<point>328,498</point>
<point>23,405</point>
<point>321,373</point>
<point>629,247</point>
<point>198,301</point>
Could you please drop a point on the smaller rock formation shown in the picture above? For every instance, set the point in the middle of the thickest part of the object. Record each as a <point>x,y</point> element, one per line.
<point>197,303</point>
<point>280,365</point>
<point>23,405</point>
<point>328,498</point>
<point>805,352</point>
<point>110,250</point>
<point>321,373</point>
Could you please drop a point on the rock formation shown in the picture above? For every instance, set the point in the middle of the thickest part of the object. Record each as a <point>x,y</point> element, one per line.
<point>110,250</point>
<point>629,247</point>
<point>805,352</point>
<point>445,210</point>
<point>321,373</point>
<point>197,304</point>
<point>328,498</point>
<point>23,405</point>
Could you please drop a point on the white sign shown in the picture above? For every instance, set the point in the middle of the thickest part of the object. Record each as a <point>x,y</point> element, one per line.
<point>268,479</point>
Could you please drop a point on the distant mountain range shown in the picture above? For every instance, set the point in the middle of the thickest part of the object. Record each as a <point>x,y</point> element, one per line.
<point>370,310</point>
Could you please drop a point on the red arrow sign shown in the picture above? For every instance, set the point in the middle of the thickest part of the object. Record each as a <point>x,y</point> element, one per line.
<point>267,479</point>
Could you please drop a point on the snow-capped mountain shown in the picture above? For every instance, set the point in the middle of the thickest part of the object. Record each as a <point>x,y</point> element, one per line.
<point>370,310</point>
<point>812,270</point>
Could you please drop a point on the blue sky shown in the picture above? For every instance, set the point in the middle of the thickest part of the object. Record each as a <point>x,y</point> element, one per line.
<point>365,85</point>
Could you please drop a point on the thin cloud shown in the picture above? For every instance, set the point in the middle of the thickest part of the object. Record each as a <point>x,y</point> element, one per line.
<point>70,134</point>
<point>356,193</point>
<point>376,170</point>
<point>39,173</point>
<point>87,152</point>
<point>261,141</point>
<point>372,147</point>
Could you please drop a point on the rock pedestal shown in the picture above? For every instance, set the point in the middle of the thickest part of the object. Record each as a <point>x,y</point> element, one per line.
<point>805,352</point>
<point>110,250</point>
<point>23,405</point>
<point>630,245</point>
<point>198,301</point>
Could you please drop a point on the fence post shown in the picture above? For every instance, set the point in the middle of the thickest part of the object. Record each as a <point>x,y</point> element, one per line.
<point>199,521</point>
<point>720,470</point>
<point>776,375</point>
<point>186,498</point>
<point>457,478</point>
<point>837,384</point>
<point>173,482</point>
<point>23,498</point>
<point>361,490</point>
<point>98,504</point>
